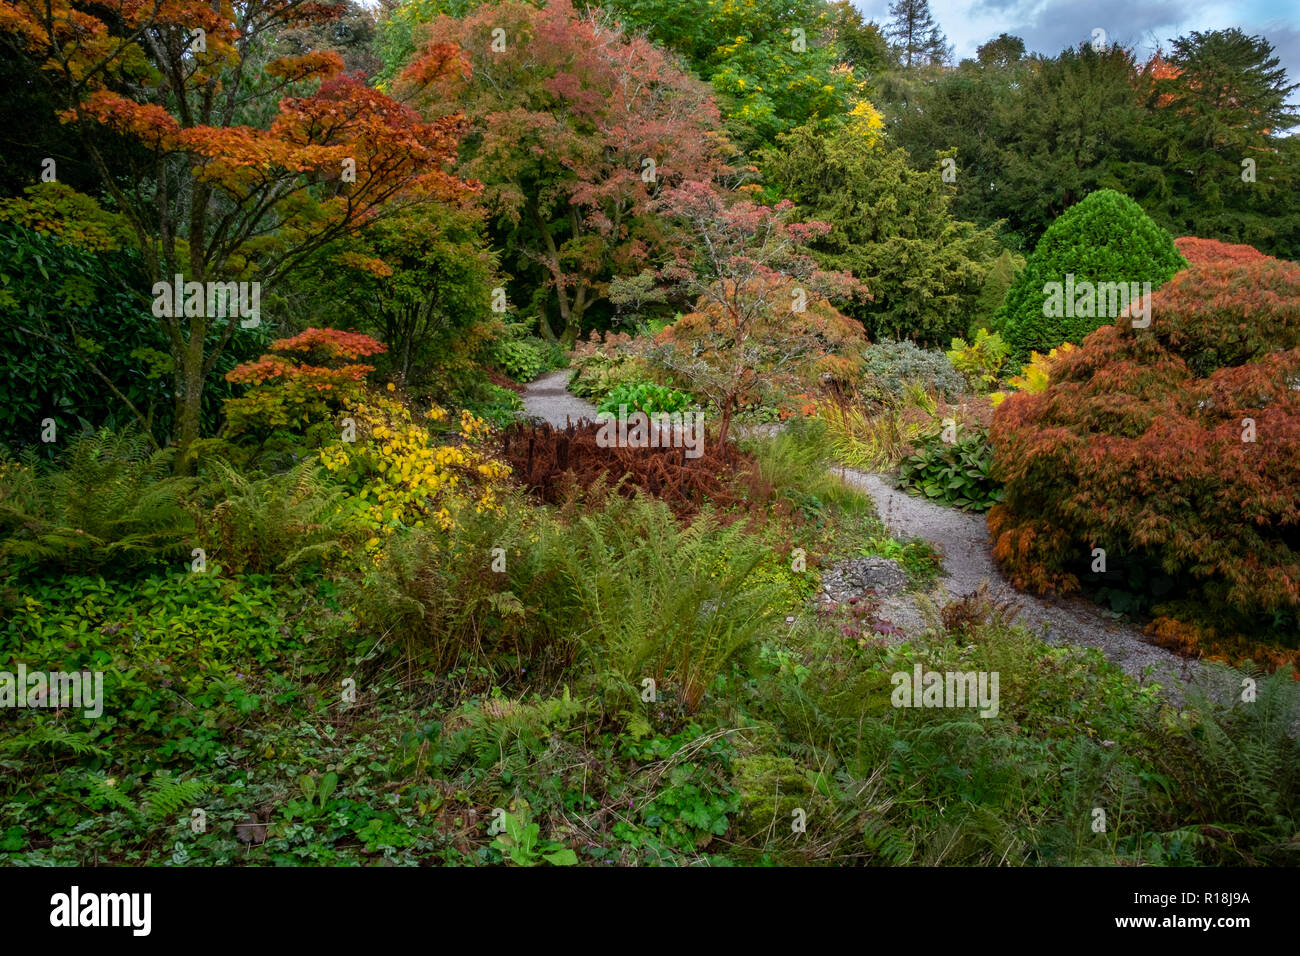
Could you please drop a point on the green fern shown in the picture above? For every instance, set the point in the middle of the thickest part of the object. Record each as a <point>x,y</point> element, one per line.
<point>48,735</point>
<point>272,523</point>
<point>103,792</point>
<point>165,796</point>
<point>887,844</point>
<point>1235,771</point>
<point>110,498</point>
<point>160,801</point>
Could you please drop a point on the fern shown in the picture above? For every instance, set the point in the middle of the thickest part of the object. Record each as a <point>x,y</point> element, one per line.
<point>109,499</point>
<point>1237,768</point>
<point>108,793</point>
<point>160,801</point>
<point>165,796</point>
<point>272,523</point>
<point>663,601</point>
<point>49,735</point>
<point>887,844</point>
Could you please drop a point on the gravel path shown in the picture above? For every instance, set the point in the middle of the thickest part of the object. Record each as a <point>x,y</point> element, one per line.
<point>962,539</point>
<point>548,397</point>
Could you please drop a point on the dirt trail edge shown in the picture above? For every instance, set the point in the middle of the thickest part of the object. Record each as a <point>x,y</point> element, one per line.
<point>962,539</point>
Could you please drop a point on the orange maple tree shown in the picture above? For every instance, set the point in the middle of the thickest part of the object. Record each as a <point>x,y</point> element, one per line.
<point>251,162</point>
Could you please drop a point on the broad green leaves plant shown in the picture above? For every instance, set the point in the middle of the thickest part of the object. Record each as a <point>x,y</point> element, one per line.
<point>954,473</point>
<point>522,844</point>
<point>645,397</point>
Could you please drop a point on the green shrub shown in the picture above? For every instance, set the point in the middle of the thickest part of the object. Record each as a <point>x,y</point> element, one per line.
<point>955,473</point>
<point>644,397</point>
<point>523,357</point>
<point>891,366</point>
<point>63,307</point>
<point>1002,273</point>
<point>496,404</point>
<point>1106,238</point>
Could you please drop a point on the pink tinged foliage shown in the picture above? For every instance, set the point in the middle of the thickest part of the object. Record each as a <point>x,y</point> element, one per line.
<point>566,117</point>
<point>762,319</point>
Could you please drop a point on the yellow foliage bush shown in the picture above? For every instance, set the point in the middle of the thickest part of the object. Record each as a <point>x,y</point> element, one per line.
<point>1035,376</point>
<point>404,477</point>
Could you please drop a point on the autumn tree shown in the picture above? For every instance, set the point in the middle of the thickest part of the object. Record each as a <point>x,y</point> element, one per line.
<point>1173,454</point>
<point>773,64</point>
<point>250,161</point>
<point>577,127</point>
<point>762,319</point>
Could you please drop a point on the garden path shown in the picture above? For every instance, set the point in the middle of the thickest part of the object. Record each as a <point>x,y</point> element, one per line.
<point>962,539</point>
<point>548,397</point>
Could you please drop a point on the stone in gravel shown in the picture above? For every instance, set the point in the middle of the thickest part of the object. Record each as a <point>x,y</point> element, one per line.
<point>853,577</point>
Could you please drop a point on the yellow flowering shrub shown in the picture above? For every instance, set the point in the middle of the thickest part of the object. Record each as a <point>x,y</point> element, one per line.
<point>403,477</point>
<point>398,474</point>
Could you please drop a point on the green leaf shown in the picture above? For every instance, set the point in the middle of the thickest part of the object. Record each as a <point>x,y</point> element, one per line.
<point>327,785</point>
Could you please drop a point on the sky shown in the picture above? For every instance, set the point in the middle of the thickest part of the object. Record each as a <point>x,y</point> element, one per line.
<point>1049,26</point>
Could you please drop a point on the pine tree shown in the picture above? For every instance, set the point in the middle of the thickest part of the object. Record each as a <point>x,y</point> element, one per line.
<point>892,227</point>
<point>917,39</point>
<point>1220,109</point>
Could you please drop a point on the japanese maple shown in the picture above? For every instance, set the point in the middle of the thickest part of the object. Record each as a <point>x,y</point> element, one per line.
<point>577,129</point>
<point>762,321</point>
<point>1175,450</point>
<point>252,162</point>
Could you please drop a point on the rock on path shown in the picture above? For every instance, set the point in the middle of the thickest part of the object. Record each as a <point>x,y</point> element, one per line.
<point>548,398</point>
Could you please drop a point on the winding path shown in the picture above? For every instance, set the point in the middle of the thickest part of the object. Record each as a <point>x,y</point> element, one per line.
<point>548,397</point>
<point>962,540</point>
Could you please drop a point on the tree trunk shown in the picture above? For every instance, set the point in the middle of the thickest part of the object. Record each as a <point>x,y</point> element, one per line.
<point>189,404</point>
<point>725,426</point>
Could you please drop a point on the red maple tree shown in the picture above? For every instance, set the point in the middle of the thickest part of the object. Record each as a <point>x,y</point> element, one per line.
<point>763,322</point>
<point>577,128</point>
<point>250,164</point>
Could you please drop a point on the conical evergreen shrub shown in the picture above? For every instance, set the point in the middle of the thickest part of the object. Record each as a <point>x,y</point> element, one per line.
<point>1106,238</point>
